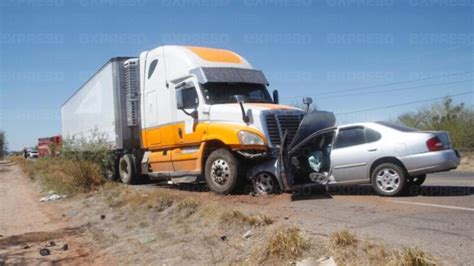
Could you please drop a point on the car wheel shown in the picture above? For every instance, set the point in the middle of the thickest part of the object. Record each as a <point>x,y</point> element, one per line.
<point>389,179</point>
<point>221,171</point>
<point>265,183</point>
<point>127,169</point>
<point>417,180</point>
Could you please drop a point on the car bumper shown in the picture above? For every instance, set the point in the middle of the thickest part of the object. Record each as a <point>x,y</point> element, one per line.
<point>431,162</point>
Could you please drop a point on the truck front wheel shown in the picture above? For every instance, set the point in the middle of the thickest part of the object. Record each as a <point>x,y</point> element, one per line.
<point>221,171</point>
<point>127,169</point>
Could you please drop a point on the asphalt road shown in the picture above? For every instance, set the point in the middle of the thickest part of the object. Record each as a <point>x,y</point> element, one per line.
<point>438,217</point>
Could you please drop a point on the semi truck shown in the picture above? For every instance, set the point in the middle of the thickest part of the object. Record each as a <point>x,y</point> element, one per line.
<point>49,146</point>
<point>182,113</point>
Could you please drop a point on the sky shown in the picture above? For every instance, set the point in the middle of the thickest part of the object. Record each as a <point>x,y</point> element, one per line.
<point>360,59</point>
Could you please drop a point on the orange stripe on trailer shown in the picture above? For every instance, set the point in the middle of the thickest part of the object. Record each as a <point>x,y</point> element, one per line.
<point>215,55</point>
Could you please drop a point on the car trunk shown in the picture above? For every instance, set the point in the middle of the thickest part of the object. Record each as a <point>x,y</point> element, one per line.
<point>443,136</point>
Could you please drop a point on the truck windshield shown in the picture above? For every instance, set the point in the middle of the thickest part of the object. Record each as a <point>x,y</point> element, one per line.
<point>221,92</point>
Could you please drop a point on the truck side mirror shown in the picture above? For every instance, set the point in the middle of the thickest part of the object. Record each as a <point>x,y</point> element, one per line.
<point>179,99</point>
<point>276,97</point>
<point>307,101</point>
<point>240,100</point>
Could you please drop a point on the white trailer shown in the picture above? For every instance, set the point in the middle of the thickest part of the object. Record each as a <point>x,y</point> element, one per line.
<point>99,106</point>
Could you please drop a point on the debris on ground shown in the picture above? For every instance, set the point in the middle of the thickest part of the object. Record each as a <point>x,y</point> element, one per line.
<point>102,216</point>
<point>65,247</point>
<point>45,252</point>
<point>52,197</point>
<point>51,244</point>
<point>71,213</point>
<point>248,234</point>
<point>323,261</point>
<point>223,238</point>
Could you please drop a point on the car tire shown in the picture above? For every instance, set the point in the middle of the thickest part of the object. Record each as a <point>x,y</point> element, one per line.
<point>221,171</point>
<point>265,183</point>
<point>126,169</point>
<point>417,180</point>
<point>389,179</point>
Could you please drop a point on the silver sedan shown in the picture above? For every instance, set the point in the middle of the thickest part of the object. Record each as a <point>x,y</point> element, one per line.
<point>388,156</point>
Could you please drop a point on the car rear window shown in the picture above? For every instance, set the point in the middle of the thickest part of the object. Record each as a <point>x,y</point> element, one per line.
<point>397,126</point>
<point>372,135</point>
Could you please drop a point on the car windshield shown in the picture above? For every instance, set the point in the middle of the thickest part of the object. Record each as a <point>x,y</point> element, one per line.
<point>397,126</point>
<point>220,92</point>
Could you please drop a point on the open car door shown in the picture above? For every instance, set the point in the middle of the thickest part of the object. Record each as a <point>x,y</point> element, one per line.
<point>299,159</point>
<point>306,160</point>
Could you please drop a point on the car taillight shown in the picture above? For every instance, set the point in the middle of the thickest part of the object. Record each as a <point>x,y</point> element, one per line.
<point>434,144</point>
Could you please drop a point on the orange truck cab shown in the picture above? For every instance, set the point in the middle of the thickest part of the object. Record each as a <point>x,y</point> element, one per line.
<point>183,113</point>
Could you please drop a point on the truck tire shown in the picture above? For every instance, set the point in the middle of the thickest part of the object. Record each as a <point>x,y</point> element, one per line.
<point>389,179</point>
<point>112,172</point>
<point>221,171</point>
<point>127,169</point>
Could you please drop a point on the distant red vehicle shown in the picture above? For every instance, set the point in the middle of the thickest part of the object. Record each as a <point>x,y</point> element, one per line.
<point>49,146</point>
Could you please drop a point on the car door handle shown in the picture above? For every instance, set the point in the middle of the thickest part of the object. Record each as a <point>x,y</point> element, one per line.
<point>373,149</point>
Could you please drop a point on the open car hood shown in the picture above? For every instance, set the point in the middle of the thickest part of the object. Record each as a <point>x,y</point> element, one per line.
<point>312,122</point>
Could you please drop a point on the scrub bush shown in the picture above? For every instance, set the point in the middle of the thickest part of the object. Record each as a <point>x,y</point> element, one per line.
<point>94,148</point>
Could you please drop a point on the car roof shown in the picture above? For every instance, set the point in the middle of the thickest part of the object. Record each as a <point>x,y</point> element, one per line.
<point>357,124</point>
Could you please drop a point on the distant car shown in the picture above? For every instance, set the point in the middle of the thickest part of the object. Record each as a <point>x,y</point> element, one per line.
<point>384,154</point>
<point>33,154</point>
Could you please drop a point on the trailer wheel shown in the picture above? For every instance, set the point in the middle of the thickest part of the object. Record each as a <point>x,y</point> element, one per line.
<point>127,169</point>
<point>221,171</point>
<point>111,172</point>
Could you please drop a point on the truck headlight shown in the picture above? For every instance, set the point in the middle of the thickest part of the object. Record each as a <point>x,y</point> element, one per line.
<point>249,138</point>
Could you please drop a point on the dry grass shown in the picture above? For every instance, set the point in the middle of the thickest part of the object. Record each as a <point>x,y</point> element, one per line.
<point>237,217</point>
<point>63,176</point>
<point>347,249</point>
<point>119,196</point>
<point>285,244</point>
<point>343,239</point>
<point>28,167</point>
<point>413,257</point>
<point>188,206</point>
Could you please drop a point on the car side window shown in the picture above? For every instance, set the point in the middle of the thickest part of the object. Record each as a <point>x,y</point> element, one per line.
<point>350,137</point>
<point>190,98</point>
<point>372,135</point>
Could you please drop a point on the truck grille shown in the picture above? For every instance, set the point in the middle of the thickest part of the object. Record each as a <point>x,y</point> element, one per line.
<point>278,124</point>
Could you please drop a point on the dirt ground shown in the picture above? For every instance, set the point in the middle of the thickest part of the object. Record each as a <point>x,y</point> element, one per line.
<point>126,225</point>
<point>27,226</point>
<point>467,161</point>
<point>151,223</point>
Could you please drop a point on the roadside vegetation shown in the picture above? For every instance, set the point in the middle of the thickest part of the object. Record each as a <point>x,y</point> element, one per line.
<point>348,249</point>
<point>79,168</point>
<point>3,144</point>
